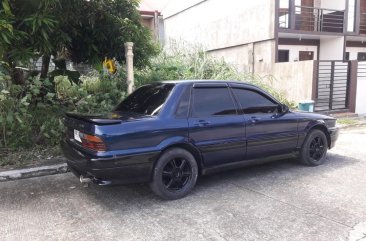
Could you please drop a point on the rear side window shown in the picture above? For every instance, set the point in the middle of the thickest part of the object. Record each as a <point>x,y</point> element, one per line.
<point>147,99</point>
<point>212,102</point>
<point>252,102</point>
<point>183,105</point>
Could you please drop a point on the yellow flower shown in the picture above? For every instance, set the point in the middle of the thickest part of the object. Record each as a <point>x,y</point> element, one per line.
<point>110,65</point>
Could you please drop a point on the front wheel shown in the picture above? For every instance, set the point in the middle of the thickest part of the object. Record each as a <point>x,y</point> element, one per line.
<point>314,149</point>
<point>175,174</point>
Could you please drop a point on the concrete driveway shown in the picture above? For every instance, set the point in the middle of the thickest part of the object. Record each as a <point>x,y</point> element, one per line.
<point>275,201</point>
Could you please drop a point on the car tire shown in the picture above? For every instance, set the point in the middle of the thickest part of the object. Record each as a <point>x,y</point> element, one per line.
<point>314,149</point>
<point>175,174</point>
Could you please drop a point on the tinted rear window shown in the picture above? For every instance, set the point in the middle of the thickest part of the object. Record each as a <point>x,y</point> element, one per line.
<point>147,99</point>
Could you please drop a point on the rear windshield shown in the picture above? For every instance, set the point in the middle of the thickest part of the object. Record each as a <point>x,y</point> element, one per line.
<point>147,99</point>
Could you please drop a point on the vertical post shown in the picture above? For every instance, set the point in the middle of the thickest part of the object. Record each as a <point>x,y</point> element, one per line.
<point>129,66</point>
<point>352,86</point>
<point>331,85</point>
<point>345,18</point>
<point>357,17</point>
<point>292,14</point>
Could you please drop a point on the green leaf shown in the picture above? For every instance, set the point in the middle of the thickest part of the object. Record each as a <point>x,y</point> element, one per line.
<point>10,118</point>
<point>6,7</point>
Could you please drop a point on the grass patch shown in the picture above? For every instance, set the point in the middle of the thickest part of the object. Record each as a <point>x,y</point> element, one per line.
<point>345,121</point>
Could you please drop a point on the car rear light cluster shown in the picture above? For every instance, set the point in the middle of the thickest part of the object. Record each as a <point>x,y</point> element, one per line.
<point>92,142</point>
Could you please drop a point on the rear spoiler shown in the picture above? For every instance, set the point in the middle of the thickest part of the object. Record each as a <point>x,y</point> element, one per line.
<point>95,119</point>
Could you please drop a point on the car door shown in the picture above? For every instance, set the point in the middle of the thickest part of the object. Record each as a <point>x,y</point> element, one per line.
<point>215,126</point>
<point>268,131</point>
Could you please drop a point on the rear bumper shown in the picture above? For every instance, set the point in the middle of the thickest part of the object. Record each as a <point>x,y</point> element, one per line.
<point>106,171</point>
<point>334,133</point>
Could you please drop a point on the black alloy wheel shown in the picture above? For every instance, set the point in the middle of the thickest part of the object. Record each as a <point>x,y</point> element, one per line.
<point>314,149</point>
<point>175,174</point>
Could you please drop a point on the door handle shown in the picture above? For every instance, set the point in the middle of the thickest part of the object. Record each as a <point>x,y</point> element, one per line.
<point>254,120</point>
<point>202,123</point>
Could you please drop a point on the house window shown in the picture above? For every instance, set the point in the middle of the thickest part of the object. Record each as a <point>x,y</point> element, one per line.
<point>347,56</point>
<point>306,55</point>
<point>351,16</point>
<point>361,56</point>
<point>284,16</point>
<point>283,55</point>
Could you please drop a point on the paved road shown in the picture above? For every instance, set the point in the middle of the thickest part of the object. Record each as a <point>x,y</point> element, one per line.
<point>276,201</point>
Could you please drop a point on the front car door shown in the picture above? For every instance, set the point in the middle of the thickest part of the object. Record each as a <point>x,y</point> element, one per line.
<point>268,131</point>
<point>215,126</point>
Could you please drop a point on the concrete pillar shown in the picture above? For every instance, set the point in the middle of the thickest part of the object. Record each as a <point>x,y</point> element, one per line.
<point>352,86</point>
<point>129,66</point>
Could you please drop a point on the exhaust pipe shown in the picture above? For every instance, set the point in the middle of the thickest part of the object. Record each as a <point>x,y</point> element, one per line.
<point>85,180</point>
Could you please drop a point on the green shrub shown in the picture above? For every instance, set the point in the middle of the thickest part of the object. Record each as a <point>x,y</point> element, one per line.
<point>27,117</point>
<point>32,115</point>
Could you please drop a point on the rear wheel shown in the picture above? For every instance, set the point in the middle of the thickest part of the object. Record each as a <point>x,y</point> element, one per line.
<point>175,174</point>
<point>314,149</point>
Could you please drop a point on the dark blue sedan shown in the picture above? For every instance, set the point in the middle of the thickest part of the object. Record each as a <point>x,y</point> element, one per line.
<point>168,133</point>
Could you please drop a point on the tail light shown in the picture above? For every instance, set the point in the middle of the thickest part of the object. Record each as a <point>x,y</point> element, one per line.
<point>94,143</point>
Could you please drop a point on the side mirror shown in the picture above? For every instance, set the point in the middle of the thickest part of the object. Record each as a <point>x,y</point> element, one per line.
<point>284,108</point>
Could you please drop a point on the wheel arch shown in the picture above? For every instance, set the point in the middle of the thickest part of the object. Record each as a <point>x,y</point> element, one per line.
<point>188,147</point>
<point>322,128</point>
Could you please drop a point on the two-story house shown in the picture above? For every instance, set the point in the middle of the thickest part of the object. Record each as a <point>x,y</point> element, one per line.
<point>304,44</point>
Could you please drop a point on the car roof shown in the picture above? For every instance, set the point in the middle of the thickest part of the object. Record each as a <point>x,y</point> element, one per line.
<point>207,81</point>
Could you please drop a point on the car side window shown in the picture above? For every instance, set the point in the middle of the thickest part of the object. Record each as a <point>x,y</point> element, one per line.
<point>214,101</point>
<point>183,105</point>
<point>252,102</point>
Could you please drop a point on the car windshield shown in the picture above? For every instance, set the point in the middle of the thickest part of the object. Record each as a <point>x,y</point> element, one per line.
<point>147,99</point>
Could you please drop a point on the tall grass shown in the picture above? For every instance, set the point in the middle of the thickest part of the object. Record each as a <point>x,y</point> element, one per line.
<point>181,62</point>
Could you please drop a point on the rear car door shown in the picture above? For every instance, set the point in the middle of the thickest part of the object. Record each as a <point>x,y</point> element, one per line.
<point>268,131</point>
<point>215,126</point>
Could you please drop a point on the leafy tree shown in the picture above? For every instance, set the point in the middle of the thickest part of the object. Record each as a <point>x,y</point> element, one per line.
<point>81,30</point>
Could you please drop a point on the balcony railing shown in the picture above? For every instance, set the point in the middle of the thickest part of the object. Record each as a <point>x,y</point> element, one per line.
<point>362,23</point>
<point>312,19</point>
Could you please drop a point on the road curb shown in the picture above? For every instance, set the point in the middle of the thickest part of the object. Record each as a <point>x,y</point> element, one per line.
<point>33,172</point>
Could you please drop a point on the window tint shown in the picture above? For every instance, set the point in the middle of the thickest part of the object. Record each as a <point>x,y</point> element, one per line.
<point>212,102</point>
<point>253,102</point>
<point>183,106</point>
<point>147,99</point>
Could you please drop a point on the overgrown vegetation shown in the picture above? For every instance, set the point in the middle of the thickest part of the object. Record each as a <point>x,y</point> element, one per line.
<point>183,61</point>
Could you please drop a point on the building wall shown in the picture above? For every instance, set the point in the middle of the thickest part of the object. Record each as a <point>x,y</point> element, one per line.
<point>264,56</point>
<point>331,48</point>
<point>238,56</point>
<point>353,51</point>
<point>333,4</point>
<point>294,51</point>
<point>294,79</point>
<point>216,24</point>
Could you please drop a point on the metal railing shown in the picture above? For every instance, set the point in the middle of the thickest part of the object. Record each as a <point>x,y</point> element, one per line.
<point>332,85</point>
<point>362,23</point>
<point>312,19</point>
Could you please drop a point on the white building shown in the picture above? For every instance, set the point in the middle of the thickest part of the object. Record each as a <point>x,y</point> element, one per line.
<point>304,44</point>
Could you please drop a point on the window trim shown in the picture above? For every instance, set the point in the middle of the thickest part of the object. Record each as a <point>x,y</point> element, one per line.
<point>186,91</point>
<point>211,86</point>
